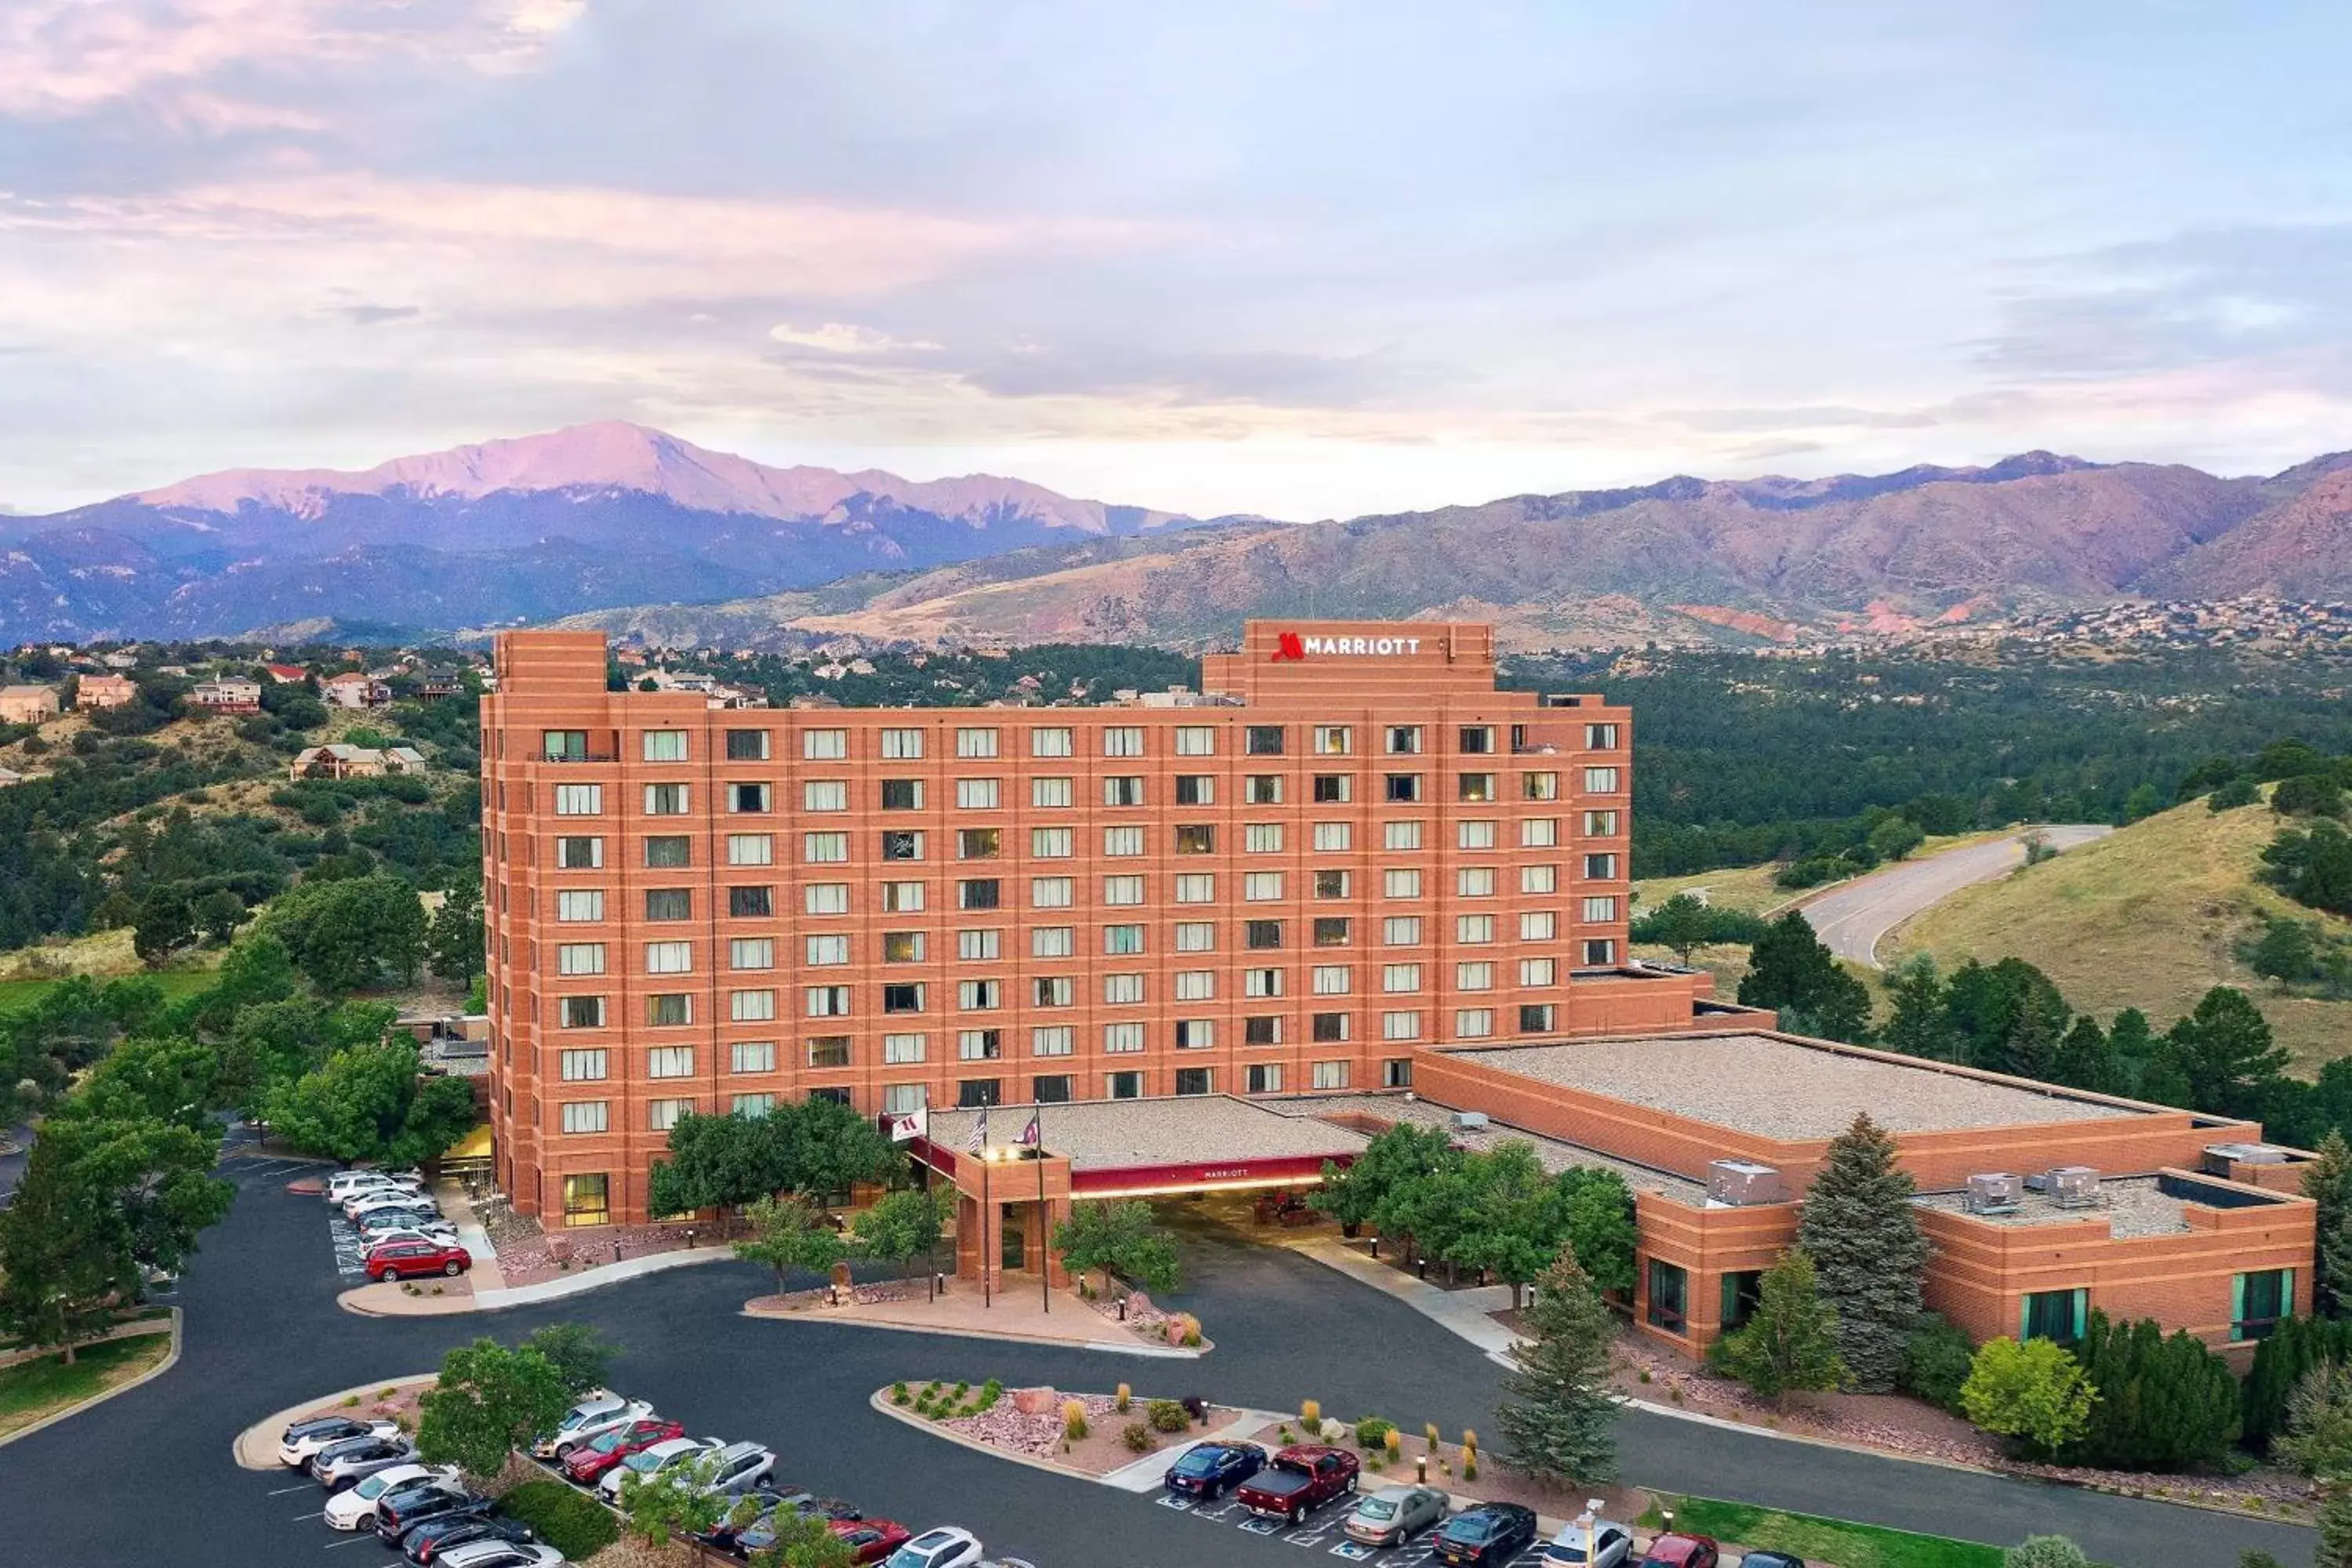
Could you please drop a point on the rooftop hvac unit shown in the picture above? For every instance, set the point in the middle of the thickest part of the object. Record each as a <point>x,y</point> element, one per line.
<point>1995,1192</point>
<point>1742,1181</point>
<point>1470,1121</point>
<point>2074,1186</point>
<point>2220,1157</point>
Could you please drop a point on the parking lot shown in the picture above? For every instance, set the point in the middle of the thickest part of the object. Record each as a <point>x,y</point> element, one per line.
<point>1320,1534</point>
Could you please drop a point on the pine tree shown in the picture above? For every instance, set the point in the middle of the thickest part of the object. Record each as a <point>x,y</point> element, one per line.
<point>1790,970</point>
<point>2085,1059</point>
<point>2334,1530</point>
<point>2228,1051</point>
<point>1557,1417</point>
<point>1920,1024</point>
<point>2327,1181</point>
<point>2130,1038</point>
<point>2164,1075</point>
<point>1790,1340</point>
<point>1858,1227</point>
<point>2029,1047</point>
<point>2164,1404</point>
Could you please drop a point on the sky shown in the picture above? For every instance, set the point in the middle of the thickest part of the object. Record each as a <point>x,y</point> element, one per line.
<point>1296,257</point>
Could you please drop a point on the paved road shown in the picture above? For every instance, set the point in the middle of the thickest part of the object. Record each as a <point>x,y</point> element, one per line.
<point>147,1478</point>
<point>1854,917</point>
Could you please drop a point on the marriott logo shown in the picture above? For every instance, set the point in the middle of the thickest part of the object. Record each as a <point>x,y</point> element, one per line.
<point>1298,644</point>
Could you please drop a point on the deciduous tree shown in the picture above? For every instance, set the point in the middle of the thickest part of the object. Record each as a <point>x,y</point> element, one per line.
<point>1858,1227</point>
<point>1118,1237</point>
<point>579,1354</point>
<point>488,1400</point>
<point>675,1503</point>
<point>367,1103</point>
<point>453,941</point>
<point>899,1227</point>
<point>1790,1341</point>
<point>65,1258</point>
<point>2033,1393</point>
<point>788,1232</point>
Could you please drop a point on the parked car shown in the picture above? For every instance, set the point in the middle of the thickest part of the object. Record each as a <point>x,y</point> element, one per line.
<point>946,1547</point>
<point>345,1185</point>
<point>760,1534</point>
<point>652,1459</point>
<point>590,1462</point>
<point>401,1259</point>
<point>354,1507</point>
<point>425,1545</point>
<point>1487,1535</point>
<point>1212,1469</point>
<point>438,1235</point>
<point>592,1416</point>
<point>352,1461</point>
<point>375,1200</point>
<point>1297,1480</point>
<point>739,1468</point>
<point>1771,1560</point>
<point>396,1516</point>
<point>304,1438</point>
<point>1588,1541</point>
<point>502,1554</point>
<point>1683,1551</point>
<point>871,1539</point>
<point>722,1536</point>
<point>1394,1515</point>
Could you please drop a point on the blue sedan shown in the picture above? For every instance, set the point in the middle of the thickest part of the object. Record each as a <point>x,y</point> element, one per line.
<point>1211,1469</point>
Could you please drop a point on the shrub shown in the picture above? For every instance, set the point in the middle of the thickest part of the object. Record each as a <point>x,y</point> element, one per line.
<point>898,1394</point>
<point>1137,1436</point>
<point>2045,1552</point>
<point>1393,1444</point>
<point>2233,795</point>
<point>1125,1398</point>
<point>1074,1419</point>
<point>1166,1415</point>
<point>1371,1432</point>
<point>573,1523</point>
<point>1937,1357</point>
<point>2034,1391</point>
<point>2166,1403</point>
<point>351,1399</point>
<point>1429,1435</point>
<point>1311,1412</point>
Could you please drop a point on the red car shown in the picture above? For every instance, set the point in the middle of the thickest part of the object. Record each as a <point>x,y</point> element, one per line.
<point>399,1259</point>
<point>586,1464</point>
<point>871,1539</point>
<point>1682,1551</point>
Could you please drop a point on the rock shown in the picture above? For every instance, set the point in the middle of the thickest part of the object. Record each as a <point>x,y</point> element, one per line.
<point>1036,1401</point>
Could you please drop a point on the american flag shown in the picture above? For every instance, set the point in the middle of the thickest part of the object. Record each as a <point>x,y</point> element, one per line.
<point>979,1139</point>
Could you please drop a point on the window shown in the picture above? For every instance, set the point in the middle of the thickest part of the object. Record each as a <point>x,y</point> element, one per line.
<point>1051,1088</point>
<point>1475,787</point>
<point>1120,1038</point>
<point>902,897</point>
<point>1122,890</point>
<point>975,743</point>
<point>1538,926</point>
<point>828,898</point>
<point>669,958</point>
<point>1601,950</point>
<point>1262,1029</point>
<point>900,1050</point>
<point>1050,795</point>
<point>750,903</point>
<point>1474,977</point>
<point>825,746</point>
<point>1475,881</point>
<point>584,1116</point>
<point>1600,868</point>
<point>1262,839</point>
<point>1196,936</point>
<point>1401,931</point>
<point>900,844</point>
<point>1123,1085</point>
<point>1262,1078</point>
<point>980,946</point>
<point>1260,935</point>
<point>670,1061</point>
<point>2058,1314</point>
<point>902,1098</point>
<point>1334,884</point>
<point>1601,781</point>
<point>665,800</point>
<point>834,948</point>
<point>1534,1017</point>
<point>1540,787</point>
<point>1262,789</point>
<point>2259,1301</point>
<point>759,1055</point>
<point>1259,887</point>
<point>668,852</point>
<point>1403,740</point>
<point>661,1115</point>
<point>1262,740</point>
<point>1195,986</point>
<point>752,1006</point>
<point>825,794</point>
<point>902,946</point>
<point>1261,982</point>
<point>980,995</point>
<point>579,957</point>
<point>1333,837</point>
<point>563,745</point>
<point>1600,908</point>
<point>1538,879</point>
<point>1538,972</point>
<point>1196,887</point>
<point>1401,884</point>
<point>1600,825</point>
<point>1052,892</point>
<point>1395,977</point>
<point>1120,940</point>
<point>582,1066</point>
<point>1331,930</point>
<point>579,800</point>
<point>828,1001</point>
<point>1477,740</point>
<point>1474,1023</point>
<point>902,746</point>
<point>1121,842</point>
<point>1330,740</point>
<point>1473,929</point>
<point>1401,835</point>
<point>1051,941</point>
<point>665,745</point>
<point>1049,743</point>
<point>1195,789</point>
<point>980,893</point>
<point>979,843</point>
<point>976,794</point>
<point>750,1105</point>
<point>1668,1310</point>
<point>1192,1081</point>
<point>580,904</point>
<point>1331,979</point>
<point>1122,789</point>
<point>747,745</point>
<point>1539,833</point>
<point>1050,843</point>
<point>1401,789</point>
<point>902,997</point>
<point>1053,1040</point>
<point>979,1045</point>
<point>1331,789</point>
<point>1475,835</point>
<point>579,854</point>
<point>1195,741</point>
<point>902,794</point>
<point>1397,1073</point>
<point>1122,990</point>
<point>752,953</point>
<point>1399,1025</point>
<point>1601,737</point>
<point>582,1013</point>
<point>1330,1074</point>
<point>1122,740</point>
<point>750,849</point>
<point>1743,1290</point>
<point>669,903</point>
<point>1328,1029</point>
<point>824,849</point>
<point>1195,838</point>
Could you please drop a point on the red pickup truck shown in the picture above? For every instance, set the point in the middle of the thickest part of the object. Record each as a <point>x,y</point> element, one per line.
<point>1298,1480</point>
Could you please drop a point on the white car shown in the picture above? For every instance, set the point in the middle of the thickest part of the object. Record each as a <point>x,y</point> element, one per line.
<point>439,1235</point>
<point>355,1509</point>
<point>359,1208</point>
<point>596,1414</point>
<point>1590,1541</point>
<point>345,1185</point>
<point>304,1438</point>
<point>501,1554</point>
<point>948,1546</point>
<point>660,1457</point>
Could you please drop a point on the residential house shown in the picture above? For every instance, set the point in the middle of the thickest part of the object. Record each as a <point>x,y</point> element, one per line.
<point>104,691</point>
<point>230,694</point>
<point>27,704</point>
<point>285,674</point>
<point>441,685</point>
<point>355,690</point>
<point>344,760</point>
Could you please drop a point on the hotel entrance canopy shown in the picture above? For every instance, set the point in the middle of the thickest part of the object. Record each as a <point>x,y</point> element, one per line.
<point>1143,1148</point>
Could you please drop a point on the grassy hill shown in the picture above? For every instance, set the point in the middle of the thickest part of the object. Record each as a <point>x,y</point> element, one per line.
<point>2150,917</point>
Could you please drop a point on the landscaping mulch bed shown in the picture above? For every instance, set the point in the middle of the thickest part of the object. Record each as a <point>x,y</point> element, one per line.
<point>822,1298</point>
<point>1039,1434</point>
<point>527,1255</point>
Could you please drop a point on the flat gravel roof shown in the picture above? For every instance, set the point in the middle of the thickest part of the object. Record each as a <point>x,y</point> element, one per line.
<point>2132,1205</point>
<point>1779,1089</point>
<point>1125,1134</point>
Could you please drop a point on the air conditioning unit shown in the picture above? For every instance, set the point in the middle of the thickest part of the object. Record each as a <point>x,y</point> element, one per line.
<point>1471,1121</point>
<point>1739,1183</point>
<point>2220,1157</point>
<point>1995,1192</point>
<point>2074,1186</point>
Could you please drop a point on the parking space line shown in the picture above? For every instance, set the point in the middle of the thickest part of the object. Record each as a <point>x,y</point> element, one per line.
<point>354,1541</point>
<point>314,1513</point>
<point>282,1492</point>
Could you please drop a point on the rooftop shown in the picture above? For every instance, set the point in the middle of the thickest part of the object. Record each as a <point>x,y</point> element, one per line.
<point>1126,1134</point>
<point>1780,1088</point>
<point>1555,1155</point>
<point>2132,1205</point>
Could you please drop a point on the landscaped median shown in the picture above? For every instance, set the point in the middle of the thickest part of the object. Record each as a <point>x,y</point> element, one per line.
<point>1086,1322</point>
<point>1088,1435</point>
<point>38,1390</point>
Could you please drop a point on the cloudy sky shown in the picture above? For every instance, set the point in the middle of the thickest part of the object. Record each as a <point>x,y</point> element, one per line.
<point>1304,257</point>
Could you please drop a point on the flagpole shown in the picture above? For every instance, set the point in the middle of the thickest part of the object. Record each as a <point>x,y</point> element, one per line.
<point>932,1236</point>
<point>987,1212</point>
<point>1045,1236</point>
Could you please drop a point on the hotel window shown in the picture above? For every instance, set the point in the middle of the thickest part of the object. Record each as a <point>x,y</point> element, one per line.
<point>584,1116</point>
<point>902,794</point>
<point>753,1105</point>
<point>1121,1038</point>
<point>2058,1314</point>
<point>1601,781</point>
<point>751,1006</point>
<point>901,946</point>
<point>1397,1073</point>
<point>1331,930</point>
<point>1122,740</point>
<point>825,746</point>
<point>747,745</point>
<point>1049,795</point>
<point>1669,1287</point>
<point>825,794</point>
<point>1475,881</point>
<point>1401,789</point>
<point>2258,1301</point>
<point>1331,979</point>
<point>581,1013</point>
<point>824,849</point>
<point>1196,789</point>
<point>579,800</point>
<point>759,1055</point>
<point>1534,1017</point>
<point>1049,743</point>
<point>1121,939</point>
<point>1333,884</point>
<point>665,800</point>
<point>902,897</point>
<point>1539,833</point>
<point>1601,737</point>
<point>980,946</point>
<point>1122,789</point>
<point>1600,909</point>
<point>1479,976</point>
<point>980,843</point>
<point>979,1045</point>
<point>1260,887</point>
<point>827,898</point>
<point>1477,740</point>
<point>1053,1040</point>
<point>665,745</point>
<point>1401,883</point>
<point>1403,740</point>
<point>1262,789</point>
<point>1402,835</point>
<point>563,745</point>
<point>1600,868</point>
<point>1401,931</point>
<point>1119,843</point>
<point>1260,935</point>
<point>980,893</point>
<point>1537,971</point>
<point>902,1098</point>
<point>1538,926</point>
<point>1331,789</point>
<point>1195,986</point>
<point>1333,837</point>
<point>745,903</point>
<point>1475,835</point>
<point>1475,787</point>
<point>826,1000</point>
<point>1334,1074</point>
<point>1601,825</point>
<point>580,904</point>
<point>1261,982</point>
<point>669,903</point>
<point>980,995</point>
<point>1122,990</point>
<point>1325,1028</point>
<point>750,849</point>
<point>669,852</point>
<point>1261,838</point>
<point>900,844</point>
<point>1474,1023</point>
<point>902,746</point>
<point>670,1061</point>
<point>579,957</point>
<point>1051,941</point>
<point>1601,950</point>
<point>902,1050</point>
<point>976,794</point>
<point>1196,936</point>
<point>1262,740</point>
<point>828,950</point>
<point>1196,887</point>
<point>1261,1078</point>
<point>1331,740</point>
<point>1262,1029</point>
<point>1052,892</point>
<point>1473,929</point>
<point>1054,991</point>
<point>1397,977</point>
<point>1051,1088</point>
<point>1195,838</point>
<point>1122,890</point>
<point>1540,787</point>
<point>903,997</point>
<point>975,743</point>
<point>669,958</point>
<point>1195,741</point>
<point>1192,1081</point>
<point>1399,1025</point>
<point>1123,1085</point>
<point>1194,1034</point>
<point>582,1066</point>
<point>579,854</point>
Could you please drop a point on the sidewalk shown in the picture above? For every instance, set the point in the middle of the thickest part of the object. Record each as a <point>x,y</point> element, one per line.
<point>1013,1314</point>
<point>389,1301</point>
<point>1463,1311</point>
<point>485,1275</point>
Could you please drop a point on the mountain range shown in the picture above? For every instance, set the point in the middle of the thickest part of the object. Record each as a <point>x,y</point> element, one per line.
<point>626,528</point>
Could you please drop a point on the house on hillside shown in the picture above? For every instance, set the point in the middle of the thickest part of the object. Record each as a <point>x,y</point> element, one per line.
<point>230,694</point>
<point>354,690</point>
<point>440,686</point>
<point>104,691</point>
<point>344,760</point>
<point>27,704</point>
<point>285,674</point>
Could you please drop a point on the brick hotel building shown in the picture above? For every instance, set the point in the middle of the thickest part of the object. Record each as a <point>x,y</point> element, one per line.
<point>1347,845</point>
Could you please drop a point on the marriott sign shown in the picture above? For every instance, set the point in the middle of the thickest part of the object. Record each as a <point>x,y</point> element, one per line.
<point>1298,644</point>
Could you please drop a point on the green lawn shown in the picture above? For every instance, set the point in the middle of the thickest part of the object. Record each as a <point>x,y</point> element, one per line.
<point>32,1389</point>
<point>1824,1541</point>
<point>16,994</point>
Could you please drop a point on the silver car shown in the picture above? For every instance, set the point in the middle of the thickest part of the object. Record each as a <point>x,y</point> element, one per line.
<point>340,1464</point>
<point>738,1468</point>
<point>1394,1515</point>
<point>596,1413</point>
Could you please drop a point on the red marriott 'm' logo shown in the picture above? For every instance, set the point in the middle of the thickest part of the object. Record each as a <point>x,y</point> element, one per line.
<point>1288,646</point>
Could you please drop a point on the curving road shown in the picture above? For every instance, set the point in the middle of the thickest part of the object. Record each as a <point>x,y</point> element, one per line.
<point>1853,918</point>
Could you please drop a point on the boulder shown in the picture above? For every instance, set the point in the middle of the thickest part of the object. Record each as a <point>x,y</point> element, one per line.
<point>1036,1401</point>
